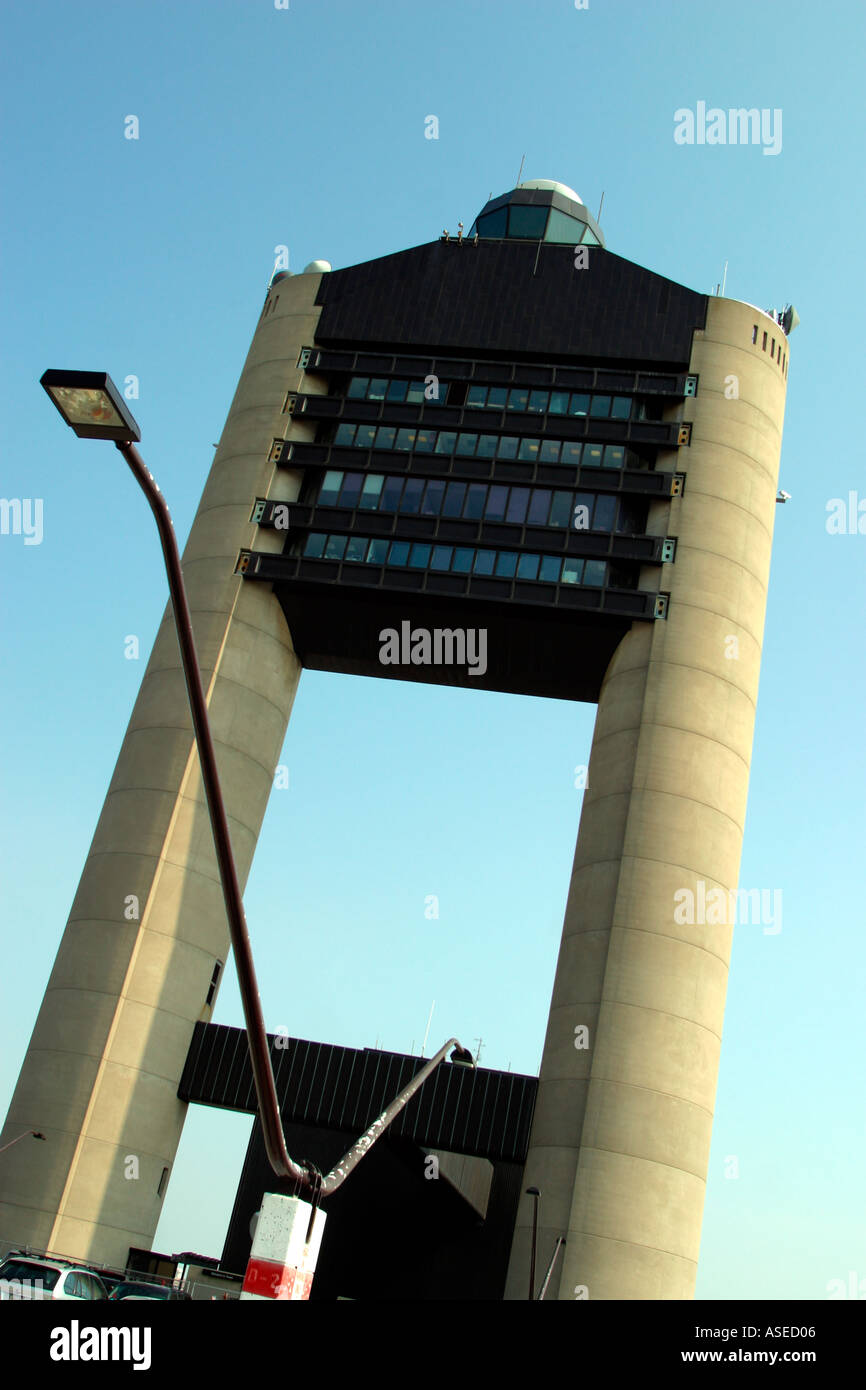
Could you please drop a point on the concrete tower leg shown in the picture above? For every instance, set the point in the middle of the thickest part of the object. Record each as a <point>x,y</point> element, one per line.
<point>621,1133</point>
<point>148,924</point>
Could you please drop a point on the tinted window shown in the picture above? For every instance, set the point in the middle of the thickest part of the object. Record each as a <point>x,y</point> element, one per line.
<point>539,506</point>
<point>331,485</point>
<point>454,495</point>
<point>21,1272</point>
<point>315,544</point>
<point>571,570</point>
<point>445,443</point>
<point>399,553</point>
<point>475,501</point>
<point>364,436</point>
<point>424,441</point>
<point>351,489</point>
<point>441,557</point>
<point>435,491</point>
<point>334,547</point>
<point>496,499</point>
<point>493,224</point>
<point>371,491</point>
<point>526,221</point>
<point>391,494</point>
<point>357,548</point>
<point>419,556</point>
<point>517,504</point>
<point>563,228</point>
<point>605,511</point>
<point>412,495</point>
<point>527,567</point>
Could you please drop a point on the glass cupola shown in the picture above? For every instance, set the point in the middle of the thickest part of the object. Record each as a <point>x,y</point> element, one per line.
<point>538,210</point>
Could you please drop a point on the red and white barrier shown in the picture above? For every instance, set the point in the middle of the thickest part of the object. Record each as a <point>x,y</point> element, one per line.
<point>282,1264</point>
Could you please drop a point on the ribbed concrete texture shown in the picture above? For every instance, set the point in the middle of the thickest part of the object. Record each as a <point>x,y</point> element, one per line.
<point>148,922</point>
<point>621,1134</point>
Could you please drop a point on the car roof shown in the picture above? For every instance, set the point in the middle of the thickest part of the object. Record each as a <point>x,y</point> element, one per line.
<point>62,1265</point>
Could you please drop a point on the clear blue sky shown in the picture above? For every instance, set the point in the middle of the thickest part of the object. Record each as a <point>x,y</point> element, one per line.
<point>305,127</point>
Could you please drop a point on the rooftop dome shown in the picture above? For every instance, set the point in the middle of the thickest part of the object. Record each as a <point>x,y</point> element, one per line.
<point>553,187</point>
<point>538,210</point>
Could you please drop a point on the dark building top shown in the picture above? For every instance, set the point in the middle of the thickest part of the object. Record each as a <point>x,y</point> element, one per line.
<point>459,1108</point>
<point>515,298</point>
<point>493,419</point>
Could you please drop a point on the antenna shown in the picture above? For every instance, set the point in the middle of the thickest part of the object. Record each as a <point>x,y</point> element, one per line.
<point>724,278</point>
<point>600,206</point>
<point>429,1021</point>
<point>520,170</point>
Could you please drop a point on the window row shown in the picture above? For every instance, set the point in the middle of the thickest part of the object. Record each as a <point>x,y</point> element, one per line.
<point>549,402</point>
<point>485,446</point>
<point>381,492</point>
<point>421,555</point>
<point>375,388</point>
<point>522,398</point>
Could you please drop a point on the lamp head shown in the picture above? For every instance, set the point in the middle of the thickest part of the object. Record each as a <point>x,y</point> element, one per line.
<point>91,405</point>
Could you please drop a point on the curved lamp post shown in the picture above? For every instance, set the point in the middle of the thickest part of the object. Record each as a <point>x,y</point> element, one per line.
<point>92,406</point>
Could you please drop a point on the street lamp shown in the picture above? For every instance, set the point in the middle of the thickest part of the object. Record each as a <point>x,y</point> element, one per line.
<point>92,406</point>
<point>534,1193</point>
<point>25,1135</point>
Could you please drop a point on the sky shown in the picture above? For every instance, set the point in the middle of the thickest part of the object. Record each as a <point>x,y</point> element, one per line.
<point>260,127</point>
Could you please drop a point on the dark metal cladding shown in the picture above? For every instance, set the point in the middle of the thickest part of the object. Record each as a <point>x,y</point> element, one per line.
<point>489,297</point>
<point>463,1109</point>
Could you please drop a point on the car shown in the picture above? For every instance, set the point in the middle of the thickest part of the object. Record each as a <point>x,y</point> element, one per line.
<point>43,1280</point>
<point>139,1291</point>
<point>108,1279</point>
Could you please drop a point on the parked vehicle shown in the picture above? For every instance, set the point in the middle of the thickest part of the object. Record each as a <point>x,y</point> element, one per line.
<point>43,1280</point>
<point>140,1291</point>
